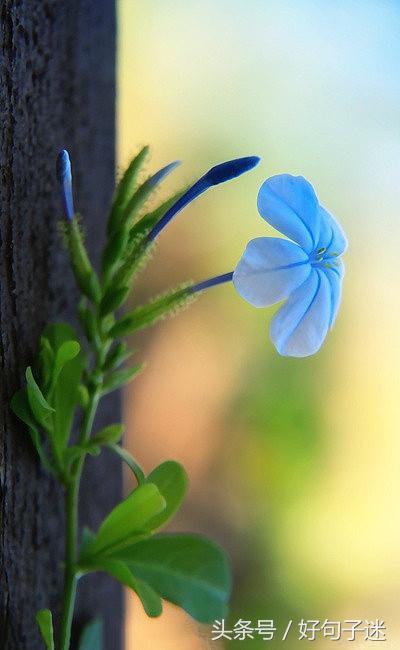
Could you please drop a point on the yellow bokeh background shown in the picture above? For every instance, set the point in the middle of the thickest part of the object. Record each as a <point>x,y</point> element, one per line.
<point>293,464</point>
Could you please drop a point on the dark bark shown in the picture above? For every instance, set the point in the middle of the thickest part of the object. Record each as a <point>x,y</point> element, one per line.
<point>57,89</point>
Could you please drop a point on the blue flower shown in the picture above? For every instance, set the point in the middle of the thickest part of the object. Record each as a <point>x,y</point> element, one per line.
<point>305,270</point>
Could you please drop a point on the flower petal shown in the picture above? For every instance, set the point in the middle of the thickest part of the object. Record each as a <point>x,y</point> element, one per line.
<point>269,270</point>
<point>299,328</point>
<point>335,277</point>
<point>331,235</point>
<point>290,205</point>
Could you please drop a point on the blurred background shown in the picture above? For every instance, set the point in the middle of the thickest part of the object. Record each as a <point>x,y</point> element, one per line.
<point>293,464</point>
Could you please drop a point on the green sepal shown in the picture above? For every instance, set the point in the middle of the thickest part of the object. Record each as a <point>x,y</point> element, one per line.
<point>149,220</point>
<point>85,275</point>
<point>21,407</point>
<point>165,305</point>
<point>114,251</point>
<point>187,570</point>
<point>126,523</point>
<point>131,462</point>
<point>87,320</point>
<point>40,407</point>
<point>120,378</point>
<point>116,356</point>
<point>172,482</point>
<point>136,259</point>
<point>112,299</point>
<point>125,189</point>
<point>44,620</point>
<point>139,250</point>
<point>139,198</point>
<point>92,636</point>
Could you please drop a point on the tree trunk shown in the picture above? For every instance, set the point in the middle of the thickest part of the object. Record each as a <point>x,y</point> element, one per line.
<point>57,90</point>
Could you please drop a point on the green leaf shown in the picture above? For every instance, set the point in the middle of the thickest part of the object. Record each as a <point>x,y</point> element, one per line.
<point>120,377</point>
<point>131,462</point>
<point>65,396</point>
<point>141,317</point>
<point>21,408</point>
<point>112,300</point>
<point>87,537</point>
<point>185,569</point>
<point>109,435</point>
<point>125,189</point>
<point>138,255</point>
<point>76,451</point>
<point>151,601</point>
<point>46,359</point>
<point>41,409</point>
<point>66,352</point>
<point>114,251</point>
<point>44,620</point>
<point>127,522</point>
<point>172,482</point>
<point>92,636</point>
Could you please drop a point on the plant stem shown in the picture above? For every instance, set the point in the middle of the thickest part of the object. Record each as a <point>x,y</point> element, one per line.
<point>71,527</point>
<point>70,577</point>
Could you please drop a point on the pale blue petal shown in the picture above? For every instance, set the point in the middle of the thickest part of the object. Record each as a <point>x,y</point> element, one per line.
<point>335,276</point>
<point>300,326</point>
<point>331,236</point>
<point>290,205</point>
<point>269,270</point>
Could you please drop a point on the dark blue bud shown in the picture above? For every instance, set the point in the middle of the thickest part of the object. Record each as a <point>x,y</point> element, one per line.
<point>63,167</point>
<point>218,174</point>
<point>230,169</point>
<point>64,177</point>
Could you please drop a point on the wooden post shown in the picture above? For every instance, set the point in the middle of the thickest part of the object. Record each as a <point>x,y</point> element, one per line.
<point>57,89</point>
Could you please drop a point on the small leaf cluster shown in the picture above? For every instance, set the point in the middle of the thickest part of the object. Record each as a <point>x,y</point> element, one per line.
<point>48,402</point>
<point>185,569</point>
<point>50,399</point>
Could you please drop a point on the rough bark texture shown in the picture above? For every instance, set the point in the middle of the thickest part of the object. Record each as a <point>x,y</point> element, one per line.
<point>57,89</point>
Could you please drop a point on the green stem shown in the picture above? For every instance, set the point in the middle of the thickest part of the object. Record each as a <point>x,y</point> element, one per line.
<point>72,495</point>
<point>71,526</point>
<point>70,577</point>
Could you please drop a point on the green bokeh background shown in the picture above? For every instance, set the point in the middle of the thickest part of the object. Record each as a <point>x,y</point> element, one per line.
<point>294,464</point>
